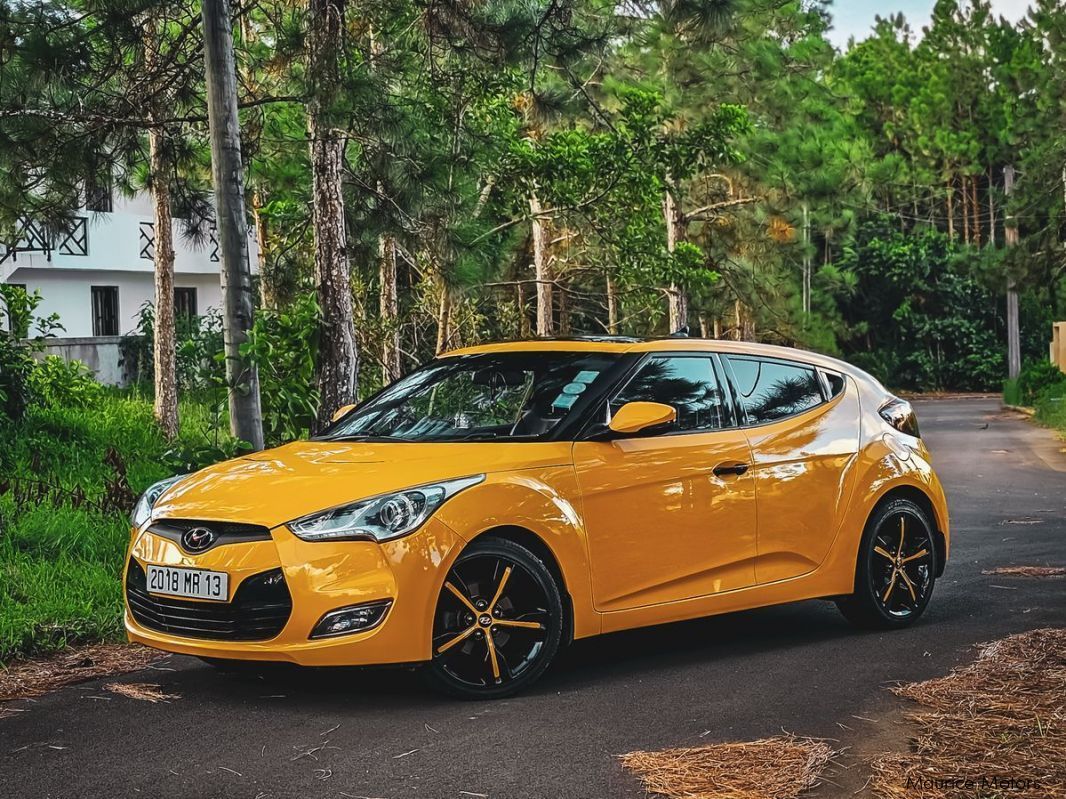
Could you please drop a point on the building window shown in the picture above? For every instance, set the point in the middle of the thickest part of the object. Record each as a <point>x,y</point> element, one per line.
<point>185,303</point>
<point>98,195</point>
<point>105,310</point>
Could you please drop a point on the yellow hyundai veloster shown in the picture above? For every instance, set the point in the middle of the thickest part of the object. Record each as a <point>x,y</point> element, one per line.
<point>503,500</point>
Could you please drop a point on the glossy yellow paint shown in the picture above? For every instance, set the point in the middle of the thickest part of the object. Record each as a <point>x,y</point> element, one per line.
<point>641,529</point>
<point>636,416</point>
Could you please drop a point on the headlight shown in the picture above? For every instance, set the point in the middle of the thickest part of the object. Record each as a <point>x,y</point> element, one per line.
<point>380,518</point>
<point>143,509</point>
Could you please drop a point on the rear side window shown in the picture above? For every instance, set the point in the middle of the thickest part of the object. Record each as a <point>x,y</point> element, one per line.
<point>771,390</point>
<point>687,383</point>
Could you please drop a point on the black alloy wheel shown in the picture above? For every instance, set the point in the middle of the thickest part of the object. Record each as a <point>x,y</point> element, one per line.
<point>498,622</point>
<point>896,568</point>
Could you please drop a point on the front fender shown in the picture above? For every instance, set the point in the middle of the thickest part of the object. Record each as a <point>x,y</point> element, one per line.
<point>544,502</point>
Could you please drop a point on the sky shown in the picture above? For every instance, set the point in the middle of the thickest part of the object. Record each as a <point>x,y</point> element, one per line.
<point>856,17</point>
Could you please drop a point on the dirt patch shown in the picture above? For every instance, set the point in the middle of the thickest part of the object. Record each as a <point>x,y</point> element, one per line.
<point>772,768</point>
<point>141,691</point>
<point>994,728</point>
<point>1029,571</point>
<point>26,678</point>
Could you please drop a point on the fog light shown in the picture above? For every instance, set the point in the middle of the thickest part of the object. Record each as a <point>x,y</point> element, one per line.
<point>352,619</point>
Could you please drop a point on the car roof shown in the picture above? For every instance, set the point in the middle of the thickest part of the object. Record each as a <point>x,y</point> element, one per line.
<point>628,344</point>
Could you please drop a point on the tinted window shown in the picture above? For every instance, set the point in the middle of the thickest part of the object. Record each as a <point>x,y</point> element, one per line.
<point>770,390</point>
<point>835,382</point>
<point>686,383</point>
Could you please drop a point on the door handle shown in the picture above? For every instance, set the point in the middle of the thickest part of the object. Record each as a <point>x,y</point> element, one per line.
<point>723,469</point>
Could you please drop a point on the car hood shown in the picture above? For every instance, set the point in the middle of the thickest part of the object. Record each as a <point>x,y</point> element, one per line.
<point>277,485</point>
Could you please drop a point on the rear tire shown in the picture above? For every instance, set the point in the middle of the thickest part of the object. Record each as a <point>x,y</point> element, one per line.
<point>498,622</point>
<point>896,568</point>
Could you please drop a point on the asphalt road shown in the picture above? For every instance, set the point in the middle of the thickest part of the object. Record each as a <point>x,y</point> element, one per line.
<point>376,733</point>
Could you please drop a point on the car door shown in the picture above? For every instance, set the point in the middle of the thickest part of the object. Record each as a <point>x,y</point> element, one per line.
<point>802,425</point>
<point>662,524</point>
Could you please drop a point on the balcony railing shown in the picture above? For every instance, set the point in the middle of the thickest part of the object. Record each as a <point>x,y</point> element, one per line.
<point>33,237</point>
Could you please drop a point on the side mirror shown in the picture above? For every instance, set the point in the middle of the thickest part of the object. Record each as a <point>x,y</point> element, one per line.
<point>343,409</point>
<point>636,416</point>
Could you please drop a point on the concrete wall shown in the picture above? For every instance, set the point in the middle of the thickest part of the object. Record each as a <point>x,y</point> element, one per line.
<point>68,293</point>
<point>102,354</point>
<point>1058,345</point>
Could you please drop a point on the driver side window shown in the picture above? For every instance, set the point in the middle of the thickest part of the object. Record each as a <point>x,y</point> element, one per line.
<point>685,382</point>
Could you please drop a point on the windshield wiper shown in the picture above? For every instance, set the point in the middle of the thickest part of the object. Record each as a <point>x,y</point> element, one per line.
<point>364,438</point>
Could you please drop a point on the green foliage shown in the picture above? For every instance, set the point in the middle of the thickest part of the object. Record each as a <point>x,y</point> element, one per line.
<point>1036,379</point>
<point>19,371</point>
<point>57,382</point>
<point>197,350</point>
<point>282,345</point>
<point>1051,407</point>
<point>920,318</point>
<point>70,475</point>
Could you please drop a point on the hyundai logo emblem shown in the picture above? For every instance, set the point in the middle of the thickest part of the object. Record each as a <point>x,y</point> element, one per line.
<point>197,539</point>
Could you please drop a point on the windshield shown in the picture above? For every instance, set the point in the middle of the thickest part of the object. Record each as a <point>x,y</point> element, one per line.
<point>507,395</point>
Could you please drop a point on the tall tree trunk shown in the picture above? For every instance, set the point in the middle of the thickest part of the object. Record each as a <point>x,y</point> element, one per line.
<point>677,299</point>
<point>705,326</point>
<point>163,339</point>
<point>541,269</point>
<point>951,209</point>
<point>612,305</point>
<point>523,317</point>
<point>444,318</point>
<point>338,364</point>
<point>163,347</point>
<point>975,209</point>
<point>227,172</point>
<point>564,312</point>
<point>1010,235</point>
<point>965,209</point>
<point>991,209</point>
<point>390,309</point>
<point>268,290</point>
<point>717,327</point>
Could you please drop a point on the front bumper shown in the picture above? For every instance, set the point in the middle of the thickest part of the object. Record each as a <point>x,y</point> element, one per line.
<point>320,577</point>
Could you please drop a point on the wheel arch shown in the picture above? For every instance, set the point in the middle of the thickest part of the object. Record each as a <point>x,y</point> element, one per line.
<point>925,502</point>
<point>539,547</point>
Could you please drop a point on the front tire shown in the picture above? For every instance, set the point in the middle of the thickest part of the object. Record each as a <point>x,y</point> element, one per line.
<point>498,622</point>
<point>896,568</point>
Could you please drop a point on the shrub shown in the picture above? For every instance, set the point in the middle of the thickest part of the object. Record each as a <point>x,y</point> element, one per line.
<point>1036,378</point>
<point>17,349</point>
<point>283,345</point>
<point>57,382</point>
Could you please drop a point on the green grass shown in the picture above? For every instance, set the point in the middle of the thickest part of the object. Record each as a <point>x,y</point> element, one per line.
<point>61,557</point>
<point>1051,408</point>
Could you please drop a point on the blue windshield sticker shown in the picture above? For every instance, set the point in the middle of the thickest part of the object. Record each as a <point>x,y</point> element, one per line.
<point>574,388</point>
<point>564,402</point>
<point>586,376</point>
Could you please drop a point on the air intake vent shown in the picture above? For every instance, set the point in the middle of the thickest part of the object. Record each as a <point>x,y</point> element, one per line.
<point>260,609</point>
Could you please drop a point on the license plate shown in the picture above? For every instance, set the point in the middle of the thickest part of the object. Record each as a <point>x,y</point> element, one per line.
<point>194,583</point>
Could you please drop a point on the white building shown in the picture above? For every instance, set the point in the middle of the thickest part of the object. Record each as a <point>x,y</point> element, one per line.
<point>99,275</point>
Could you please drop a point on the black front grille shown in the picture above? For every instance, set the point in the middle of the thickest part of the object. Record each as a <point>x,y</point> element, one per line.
<point>225,532</point>
<point>259,610</point>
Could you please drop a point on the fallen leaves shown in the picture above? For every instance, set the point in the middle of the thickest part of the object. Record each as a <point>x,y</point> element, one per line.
<point>141,691</point>
<point>995,720</point>
<point>1029,571</point>
<point>771,768</point>
<point>27,678</point>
